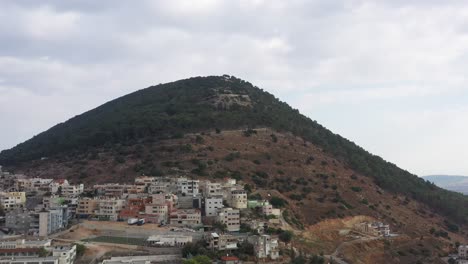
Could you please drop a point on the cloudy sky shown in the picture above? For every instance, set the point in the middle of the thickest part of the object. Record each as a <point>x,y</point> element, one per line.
<point>389,75</point>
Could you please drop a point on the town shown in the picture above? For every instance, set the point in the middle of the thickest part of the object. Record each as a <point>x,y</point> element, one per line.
<point>217,216</point>
<point>167,219</point>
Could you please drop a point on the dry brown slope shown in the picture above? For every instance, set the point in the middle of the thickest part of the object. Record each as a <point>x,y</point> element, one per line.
<point>317,186</point>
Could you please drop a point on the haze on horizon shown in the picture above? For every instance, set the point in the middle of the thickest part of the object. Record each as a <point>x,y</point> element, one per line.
<point>388,75</point>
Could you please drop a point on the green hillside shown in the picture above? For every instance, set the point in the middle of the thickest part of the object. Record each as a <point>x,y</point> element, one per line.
<point>219,102</point>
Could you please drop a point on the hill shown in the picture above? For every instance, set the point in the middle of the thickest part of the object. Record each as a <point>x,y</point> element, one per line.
<point>218,126</point>
<point>450,182</point>
<point>223,102</point>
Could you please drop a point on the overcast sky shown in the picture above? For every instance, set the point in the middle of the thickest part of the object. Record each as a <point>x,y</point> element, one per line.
<point>388,75</point>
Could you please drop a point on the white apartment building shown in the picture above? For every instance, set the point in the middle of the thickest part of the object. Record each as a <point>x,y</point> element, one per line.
<point>72,190</point>
<point>266,247</point>
<point>212,205</point>
<point>238,199</point>
<point>230,217</point>
<point>267,209</point>
<point>463,252</point>
<point>57,185</point>
<point>187,187</point>
<point>65,254</point>
<point>221,242</point>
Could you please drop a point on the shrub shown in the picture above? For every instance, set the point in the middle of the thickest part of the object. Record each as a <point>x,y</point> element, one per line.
<point>356,189</point>
<point>278,202</point>
<point>199,139</point>
<point>232,156</point>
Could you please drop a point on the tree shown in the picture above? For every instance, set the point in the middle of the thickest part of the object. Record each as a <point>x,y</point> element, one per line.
<point>80,249</point>
<point>285,236</point>
<point>278,201</point>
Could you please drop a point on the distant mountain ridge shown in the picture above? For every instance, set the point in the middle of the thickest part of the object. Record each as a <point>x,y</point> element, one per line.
<point>456,183</point>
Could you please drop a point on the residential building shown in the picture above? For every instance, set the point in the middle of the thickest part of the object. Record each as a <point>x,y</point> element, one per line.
<point>267,209</point>
<point>187,187</point>
<point>221,242</point>
<point>211,188</point>
<point>22,222</point>
<point>12,200</point>
<point>259,226</point>
<point>212,205</point>
<point>51,221</point>
<point>109,208</point>
<point>162,210</point>
<point>72,190</point>
<point>65,254</point>
<point>237,199</point>
<point>169,240</point>
<point>56,186</point>
<point>374,228</point>
<point>463,252</point>
<point>86,207</point>
<point>230,217</point>
<point>185,217</point>
<point>265,247</point>
<point>145,180</point>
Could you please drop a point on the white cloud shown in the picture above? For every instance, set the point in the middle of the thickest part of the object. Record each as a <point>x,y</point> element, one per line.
<point>374,61</point>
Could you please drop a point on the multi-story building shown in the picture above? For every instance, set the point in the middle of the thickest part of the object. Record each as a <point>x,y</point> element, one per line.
<point>109,208</point>
<point>145,180</point>
<point>12,200</point>
<point>267,209</point>
<point>221,242</point>
<point>22,221</point>
<point>86,207</point>
<point>212,205</point>
<point>185,217</point>
<point>187,187</point>
<point>72,190</point>
<point>162,185</point>
<point>162,210</point>
<point>211,188</point>
<point>56,186</point>
<point>265,247</point>
<point>463,252</point>
<point>65,254</point>
<point>52,220</point>
<point>374,229</point>
<point>237,199</point>
<point>230,217</point>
